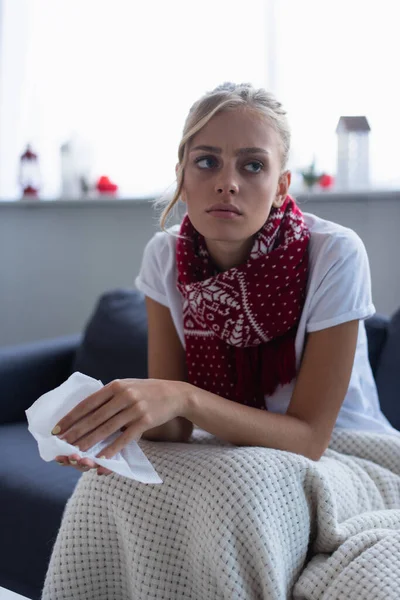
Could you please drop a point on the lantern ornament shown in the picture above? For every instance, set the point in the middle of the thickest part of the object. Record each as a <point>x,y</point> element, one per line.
<point>29,173</point>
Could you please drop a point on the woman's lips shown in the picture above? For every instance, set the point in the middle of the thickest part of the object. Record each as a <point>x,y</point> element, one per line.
<point>224,214</point>
<point>224,211</point>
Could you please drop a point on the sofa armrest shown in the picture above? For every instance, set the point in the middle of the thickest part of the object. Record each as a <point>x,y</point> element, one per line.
<point>29,370</point>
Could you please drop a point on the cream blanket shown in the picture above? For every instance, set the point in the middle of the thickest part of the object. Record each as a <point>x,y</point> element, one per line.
<point>237,523</point>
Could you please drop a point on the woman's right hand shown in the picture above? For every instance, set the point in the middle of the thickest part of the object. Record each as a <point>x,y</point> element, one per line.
<point>81,464</point>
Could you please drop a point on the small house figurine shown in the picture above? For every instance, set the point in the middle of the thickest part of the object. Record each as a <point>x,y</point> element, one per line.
<point>353,153</point>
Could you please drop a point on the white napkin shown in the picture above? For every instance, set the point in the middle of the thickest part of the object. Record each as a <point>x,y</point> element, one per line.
<point>49,409</point>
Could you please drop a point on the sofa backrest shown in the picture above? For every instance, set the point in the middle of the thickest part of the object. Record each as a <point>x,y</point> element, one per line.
<point>114,344</point>
<point>376,328</point>
<point>387,374</point>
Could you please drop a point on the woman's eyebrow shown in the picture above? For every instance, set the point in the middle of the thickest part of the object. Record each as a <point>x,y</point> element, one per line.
<point>217,150</point>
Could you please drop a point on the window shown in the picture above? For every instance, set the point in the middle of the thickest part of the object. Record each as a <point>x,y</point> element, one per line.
<point>339,58</point>
<point>123,75</point>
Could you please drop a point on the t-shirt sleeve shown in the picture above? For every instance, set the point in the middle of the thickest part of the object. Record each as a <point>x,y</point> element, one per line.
<point>343,291</point>
<point>150,279</point>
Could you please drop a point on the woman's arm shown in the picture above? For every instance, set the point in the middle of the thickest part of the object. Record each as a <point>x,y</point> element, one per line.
<point>306,428</point>
<point>166,360</point>
<point>165,409</point>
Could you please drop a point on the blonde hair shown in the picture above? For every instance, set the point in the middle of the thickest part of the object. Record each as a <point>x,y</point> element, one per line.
<point>228,96</point>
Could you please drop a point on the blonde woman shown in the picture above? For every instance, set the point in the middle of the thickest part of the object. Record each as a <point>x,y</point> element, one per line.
<point>249,300</point>
<point>255,330</point>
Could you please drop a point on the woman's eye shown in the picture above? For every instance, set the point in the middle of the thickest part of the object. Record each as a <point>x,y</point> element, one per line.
<point>204,162</point>
<point>207,162</point>
<point>256,164</point>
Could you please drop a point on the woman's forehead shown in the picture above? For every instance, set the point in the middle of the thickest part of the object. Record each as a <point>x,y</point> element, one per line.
<point>238,128</point>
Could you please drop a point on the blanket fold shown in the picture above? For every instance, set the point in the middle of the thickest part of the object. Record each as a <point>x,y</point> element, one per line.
<point>240,523</point>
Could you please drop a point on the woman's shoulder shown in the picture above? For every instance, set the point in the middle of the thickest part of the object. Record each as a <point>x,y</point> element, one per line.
<point>157,273</point>
<point>162,246</point>
<point>164,239</point>
<point>330,241</point>
<point>339,268</point>
<point>339,282</point>
<point>326,231</point>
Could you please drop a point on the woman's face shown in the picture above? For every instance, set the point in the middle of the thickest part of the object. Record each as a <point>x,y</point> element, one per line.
<point>232,178</point>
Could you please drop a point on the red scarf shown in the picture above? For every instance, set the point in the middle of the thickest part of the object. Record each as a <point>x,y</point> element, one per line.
<point>240,325</point>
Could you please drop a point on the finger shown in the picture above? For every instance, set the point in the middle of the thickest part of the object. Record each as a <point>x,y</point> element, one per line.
<point>96,425</point>
<point>87,463</point>
<point>103,431</point>
<point>103,471</point>
<point>74,459</point>
<point>85,407</point>
<point>82,469</point>
<point>132,433</point>
<point>81,465</point>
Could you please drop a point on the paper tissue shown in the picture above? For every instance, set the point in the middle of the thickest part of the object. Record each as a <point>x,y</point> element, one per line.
<point>49,409</point>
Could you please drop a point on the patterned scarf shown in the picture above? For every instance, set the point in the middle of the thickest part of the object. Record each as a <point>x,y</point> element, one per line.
<point>240,325</point>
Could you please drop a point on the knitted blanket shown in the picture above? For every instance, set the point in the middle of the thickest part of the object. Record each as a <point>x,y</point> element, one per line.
<point>237,523</point>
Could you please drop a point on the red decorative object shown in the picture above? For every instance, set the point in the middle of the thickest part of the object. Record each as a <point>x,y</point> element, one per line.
<point>29,173</point>
<point>105,186</point>
<point>326,181</point>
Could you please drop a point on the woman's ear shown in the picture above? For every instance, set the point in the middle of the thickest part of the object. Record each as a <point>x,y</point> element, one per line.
<point>283,188</point>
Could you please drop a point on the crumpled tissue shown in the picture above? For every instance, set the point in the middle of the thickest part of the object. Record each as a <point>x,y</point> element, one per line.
<point>49,409</point>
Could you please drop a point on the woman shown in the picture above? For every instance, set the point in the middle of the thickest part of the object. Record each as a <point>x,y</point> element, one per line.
<point>256,335</point>
<point>249,300</point>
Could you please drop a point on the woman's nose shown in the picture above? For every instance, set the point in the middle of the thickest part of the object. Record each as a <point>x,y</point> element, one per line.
<point>230,189</point>
<point>226,184</point>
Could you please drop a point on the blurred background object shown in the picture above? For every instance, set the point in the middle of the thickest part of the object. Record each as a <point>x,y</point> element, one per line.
<point>76,158</point>
<point>353,153</point>
<point>312,178</point>
<point>105,186</point>
<point>29,173</point>
<point>117,76</point>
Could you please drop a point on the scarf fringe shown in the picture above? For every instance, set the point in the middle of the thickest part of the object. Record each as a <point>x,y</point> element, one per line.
<point>260,369</point>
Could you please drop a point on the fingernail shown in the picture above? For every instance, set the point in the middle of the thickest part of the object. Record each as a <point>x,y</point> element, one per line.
<point>103,457</point>
<point>73,462</point>
<point>60,462</point>
<point>56,430</point>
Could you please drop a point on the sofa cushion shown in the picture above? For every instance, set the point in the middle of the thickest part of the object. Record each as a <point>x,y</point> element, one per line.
<point>32,501</point>
<point>114,344</point>
<point>376,328</point>
<point>27,371</point>
<point>388,373</point>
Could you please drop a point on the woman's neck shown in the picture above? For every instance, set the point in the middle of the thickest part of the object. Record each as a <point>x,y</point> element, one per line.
<point>227,255</point>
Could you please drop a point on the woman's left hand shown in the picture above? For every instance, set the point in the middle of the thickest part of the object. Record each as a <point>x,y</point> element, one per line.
<point>131,406</point>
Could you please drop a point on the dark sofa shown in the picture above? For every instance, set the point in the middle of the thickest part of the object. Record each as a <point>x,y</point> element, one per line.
<point>113,345</point>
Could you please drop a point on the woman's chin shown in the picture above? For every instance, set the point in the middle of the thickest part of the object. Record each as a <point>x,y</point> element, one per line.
<point>220,234</point>
<point>228,229</point>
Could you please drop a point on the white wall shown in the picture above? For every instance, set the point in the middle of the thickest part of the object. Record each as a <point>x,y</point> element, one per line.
<point>376,219</point>
<point>57,257</point>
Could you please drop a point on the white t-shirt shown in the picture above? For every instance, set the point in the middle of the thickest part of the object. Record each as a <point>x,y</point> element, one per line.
<point>338,290</point>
